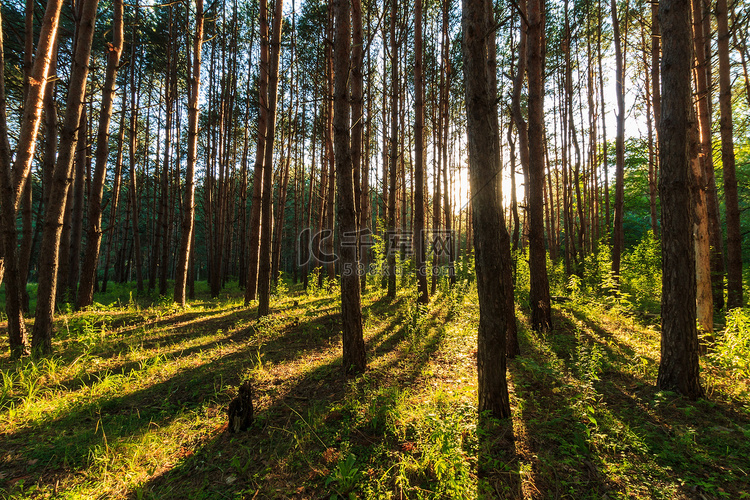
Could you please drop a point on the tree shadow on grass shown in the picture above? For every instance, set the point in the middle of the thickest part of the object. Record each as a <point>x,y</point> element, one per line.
<point>300,437</point>
<point>553,441</point>
<point>673,446</point>
<point>68,440</point>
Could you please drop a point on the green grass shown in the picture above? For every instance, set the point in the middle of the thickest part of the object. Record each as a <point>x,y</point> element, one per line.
<point>132,405</point>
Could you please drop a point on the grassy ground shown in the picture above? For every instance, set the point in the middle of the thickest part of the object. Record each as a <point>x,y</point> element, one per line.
<point>133,406</point>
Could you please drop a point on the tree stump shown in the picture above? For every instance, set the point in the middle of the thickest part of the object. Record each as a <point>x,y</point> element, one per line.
<point>240,411</point>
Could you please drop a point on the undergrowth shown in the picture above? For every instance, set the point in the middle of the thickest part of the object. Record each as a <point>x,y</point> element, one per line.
<point>132,404</point>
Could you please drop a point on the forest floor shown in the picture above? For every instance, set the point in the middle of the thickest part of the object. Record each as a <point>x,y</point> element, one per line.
<point>133,405</point>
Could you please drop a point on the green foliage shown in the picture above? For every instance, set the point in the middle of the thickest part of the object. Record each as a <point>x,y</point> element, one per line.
<point>640,273</point>
<point>280,289</point>
<point>378,253</point>
<point>344,478</point>
<point>731,350</point>
<point>522,277</point>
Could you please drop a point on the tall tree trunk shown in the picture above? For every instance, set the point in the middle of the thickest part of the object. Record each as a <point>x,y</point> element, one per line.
<point>419,247</point>
<point>133,143</point>
<point>515,107</point>
<point>94,215</point>
<point>541,312</point>
<point>115,201</point>
<point>512,347</point>
<point>393,155</point>
<point>655,88</point>
<point>161,237</point>
<point>700,161</point>
<point>679,367</point>
<point>13,180</point>
<point>256,208</point>
<point>264,263</point>
<point>618,239</point>
<point>188,204</point>
<point>48,255</point>
<point>76,211</point>
<point>483,139</point>
<point>607,211</point>
<point>734,239</point>
<point>354,359</point>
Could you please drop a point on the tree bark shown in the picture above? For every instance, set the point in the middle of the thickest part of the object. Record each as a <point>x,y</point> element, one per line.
<point>492,384</point>
<point>393,155</point>
<point>94,216</point>
<point>264,264</point>
<point>251,286</point>
<point>618,239</point>
<point>541,312</point>
<point>354,359</point>
<point>423,296</point>
<point>679,367</point>
<point>188,204</point>
<point>512,347</point>
<point>13,180</point>
<point>731,201</point>
<point>49,250</point>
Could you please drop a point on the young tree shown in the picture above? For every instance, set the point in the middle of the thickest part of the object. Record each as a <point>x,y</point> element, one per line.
<point>678,368</point>
<point>483,139</point>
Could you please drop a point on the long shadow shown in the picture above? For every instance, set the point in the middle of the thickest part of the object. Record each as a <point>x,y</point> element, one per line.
<point>702,443</point>
<point>293,330</point>
<point>130,415</point>
<point>551,438</point>
<point>294,403</point>
<point>696,448</point>
<point>258,463</point>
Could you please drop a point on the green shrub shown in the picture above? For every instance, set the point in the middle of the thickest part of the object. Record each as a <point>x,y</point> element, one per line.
<point>731,351</point>
<point>640,273</point>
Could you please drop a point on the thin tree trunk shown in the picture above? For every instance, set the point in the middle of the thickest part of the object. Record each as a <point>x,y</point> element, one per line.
<point>188,206</point>
<point>419,247</point>
<point>393,155</point>
<point>48,255</point>
<point>115,203</point>
<point>76,227</point>
<point>618,239</point>
<point>264,261</point>
<point>133,142</point>
<point>94,216</point>
<point>734,239</point>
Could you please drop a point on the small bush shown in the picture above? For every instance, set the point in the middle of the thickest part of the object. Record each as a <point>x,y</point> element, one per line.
<point>731,350</point>
<point>641,273</point>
